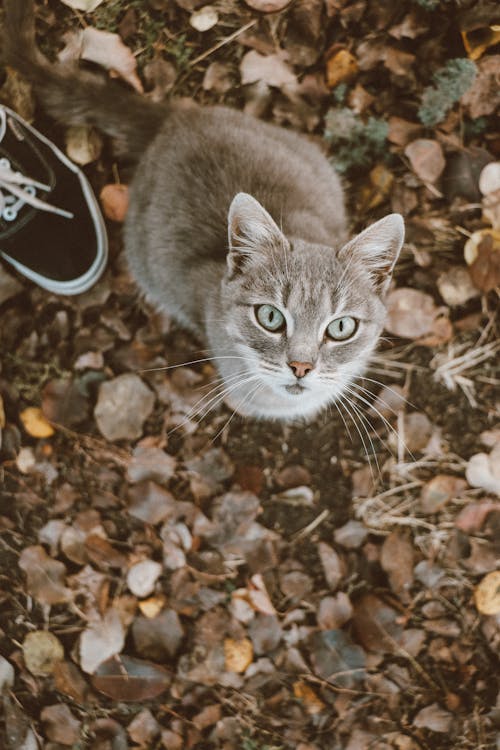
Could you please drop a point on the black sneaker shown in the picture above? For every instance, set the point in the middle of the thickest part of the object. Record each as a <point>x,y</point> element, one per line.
<point>51,228</point>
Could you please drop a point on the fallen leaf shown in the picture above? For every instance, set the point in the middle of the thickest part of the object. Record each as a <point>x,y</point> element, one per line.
<point>101,639</point>
<point>143,729</point>
<point>208,716</point>
<point>483,98</point>
<point>142,576</point>
<point>151,503</point>
<point>461,176</point>
<point>401,132</point>
<point>265,632</point>
<point>489,179</point>
<point>42,651</point>
<point>334,611</point>
<point>476,44</point>
<point>150,462</point>
<point>376,625</point>
<point>351,535</point>
<point>336,659</point>
<point>307,696</point>
<point>35,424</point>
<point>268,6</point>
<point>83,144</point>
<point>482,253</point>
<point>259,597</point>
<point>60,725</point>
<point>219,77</point>
<point>456,287</point>
<point>271,69</point>
<point>87,6</point>
<point>435,718</point>
<point>438,491</point>
<point>46,577</point>
<point>333,566</point>
<point>158,638</point>
<point>114,201</point>
<point>124,678</point>
<point>472,517</point>
<point>65,402</point>
<point>102,48</point>
<point>487,594</point>
<point>123,405</point>
<point>410,313</point>
<point>341,66</point>
<point>238,655</point>
<point>7,674</point>
<point>426,159</point>
<point>397,558</point>
<point>483,470</point>
<point>69,680</point>
<point>205,18</point>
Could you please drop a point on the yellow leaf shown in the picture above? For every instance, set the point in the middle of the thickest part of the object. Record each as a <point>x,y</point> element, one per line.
<point>487,594</point>
<point>478,41</point>
<point>35,423</point>
<point>153,606</point>
<point>2,413</point>
<point>238,654</point>
<point>304,693</point>
<point>340,67</point>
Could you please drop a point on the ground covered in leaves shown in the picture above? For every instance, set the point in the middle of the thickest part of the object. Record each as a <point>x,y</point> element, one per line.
<point>172,576</point>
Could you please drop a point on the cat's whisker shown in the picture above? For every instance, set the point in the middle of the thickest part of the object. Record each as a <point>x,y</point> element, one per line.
<point>219,397</point>
<point>363,420</point>
<point>345,406</point>
<point>387,387</point>
<point>384,420</point>
<point>343,420</point>
<point>382,401</point>
<point>193,362</point>
<point>246,399</point>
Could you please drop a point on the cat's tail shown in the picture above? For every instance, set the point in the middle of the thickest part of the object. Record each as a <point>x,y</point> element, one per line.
<point>78,97</point>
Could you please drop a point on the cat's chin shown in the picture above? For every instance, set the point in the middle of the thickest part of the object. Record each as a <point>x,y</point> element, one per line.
<point>285,405</point>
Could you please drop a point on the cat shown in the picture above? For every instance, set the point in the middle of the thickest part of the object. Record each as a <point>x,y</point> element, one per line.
<point>237,229</point>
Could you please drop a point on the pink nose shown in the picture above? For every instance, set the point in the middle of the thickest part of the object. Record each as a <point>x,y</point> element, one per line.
<point>300,368</point>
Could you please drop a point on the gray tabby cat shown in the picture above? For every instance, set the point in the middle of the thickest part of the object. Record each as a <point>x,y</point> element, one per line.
<point>237,229</point>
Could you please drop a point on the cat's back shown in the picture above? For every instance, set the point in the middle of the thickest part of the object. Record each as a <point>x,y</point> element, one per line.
<point>202,157</point>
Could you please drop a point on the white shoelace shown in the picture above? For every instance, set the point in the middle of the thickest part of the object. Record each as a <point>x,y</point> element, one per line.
<point>17,185</point>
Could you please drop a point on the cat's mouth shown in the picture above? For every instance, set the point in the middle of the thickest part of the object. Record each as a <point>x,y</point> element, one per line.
<point>296,389</point>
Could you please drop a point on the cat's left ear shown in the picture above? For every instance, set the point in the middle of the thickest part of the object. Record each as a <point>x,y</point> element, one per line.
<point>377,248</point>
<point>251,230</point>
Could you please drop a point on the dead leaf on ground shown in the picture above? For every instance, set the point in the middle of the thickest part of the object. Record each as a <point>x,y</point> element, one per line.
<point>334,611</point>
<point>271,69</point>
<point>340,66</point>
<point>124,678</point>
<point>268,6</point>
<point>102,48</point>
<point>83,144</point>
<point>42,652</point>
<point>114,201</point>
<point>101,640</point>
<point>397,559</point>
<point>307,696</point>
<point>482,253</point>
<point>204,19</point>
<point>143,729</point>
<point>439,490</point>
<point>238,655</point>
<point>60,725</point>
<point>472,516</point>
<point>87,6</point>
<point>483,98</point>
<point>333,566</point>
<point>435,718</point>
<point>456,287</point>
<point>426,158</point>
<point>46,577</point>
<point>35,423</point>
<point>483,470</point>
<point>158,637</point>
<point>337,659</point>
<point>410,313</point>
<point>487,594</point>
<point>142,576</point>
<point>123,405</point>
<point>376,624</point>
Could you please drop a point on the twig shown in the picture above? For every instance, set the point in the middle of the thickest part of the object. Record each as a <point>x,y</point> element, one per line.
<point>222,42</point>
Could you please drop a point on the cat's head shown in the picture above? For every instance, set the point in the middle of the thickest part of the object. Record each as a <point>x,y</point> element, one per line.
<point>305,317</point>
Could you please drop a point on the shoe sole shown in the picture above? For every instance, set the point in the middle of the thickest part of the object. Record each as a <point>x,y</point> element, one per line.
<point>90,277</point>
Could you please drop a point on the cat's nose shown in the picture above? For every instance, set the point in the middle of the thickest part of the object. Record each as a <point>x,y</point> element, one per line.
<point>300,369</point>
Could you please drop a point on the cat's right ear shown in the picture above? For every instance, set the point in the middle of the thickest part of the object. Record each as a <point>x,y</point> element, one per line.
<point>251,231</point>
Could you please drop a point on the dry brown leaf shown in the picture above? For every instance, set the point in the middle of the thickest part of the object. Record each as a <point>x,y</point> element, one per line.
<point>482,253</point>
<point>142,576</point>
<point>333,566</point>
<point>473,515</point>
<point>83,144</point>
<point>438,491</point>
<point>114,201</point>
<point>60,724</point>
<point>483,470</point>
<point>42,652</point>
<point>102,48</point>
<point>205,18</point>
<point>124,678</point>
<point>143,729</point>
<point>305,694</point>
<point>487,594</point>
<point>35,424</point>
<point>483,97</point>
<point>238,655</point>
<point>456,287</point>
<point>435,718</point>
<point>101,640</point>
<point>271,69</point>
<point>46,577</point>
<point>426,159</point>
<point>341,66</point>
<point>397,558</point>
<point>410,313</point>
<point>268,6</point>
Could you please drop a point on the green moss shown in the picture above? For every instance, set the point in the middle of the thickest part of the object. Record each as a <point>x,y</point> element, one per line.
<point>450,83</point>
<point>355,143</point>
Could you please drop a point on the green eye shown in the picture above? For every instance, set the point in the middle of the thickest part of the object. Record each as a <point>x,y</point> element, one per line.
<point>342,328</point>
<point>270,318</point>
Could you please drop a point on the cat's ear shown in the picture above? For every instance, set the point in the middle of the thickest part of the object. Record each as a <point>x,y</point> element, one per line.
<point>251,230</point>
<point>377,248</point>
